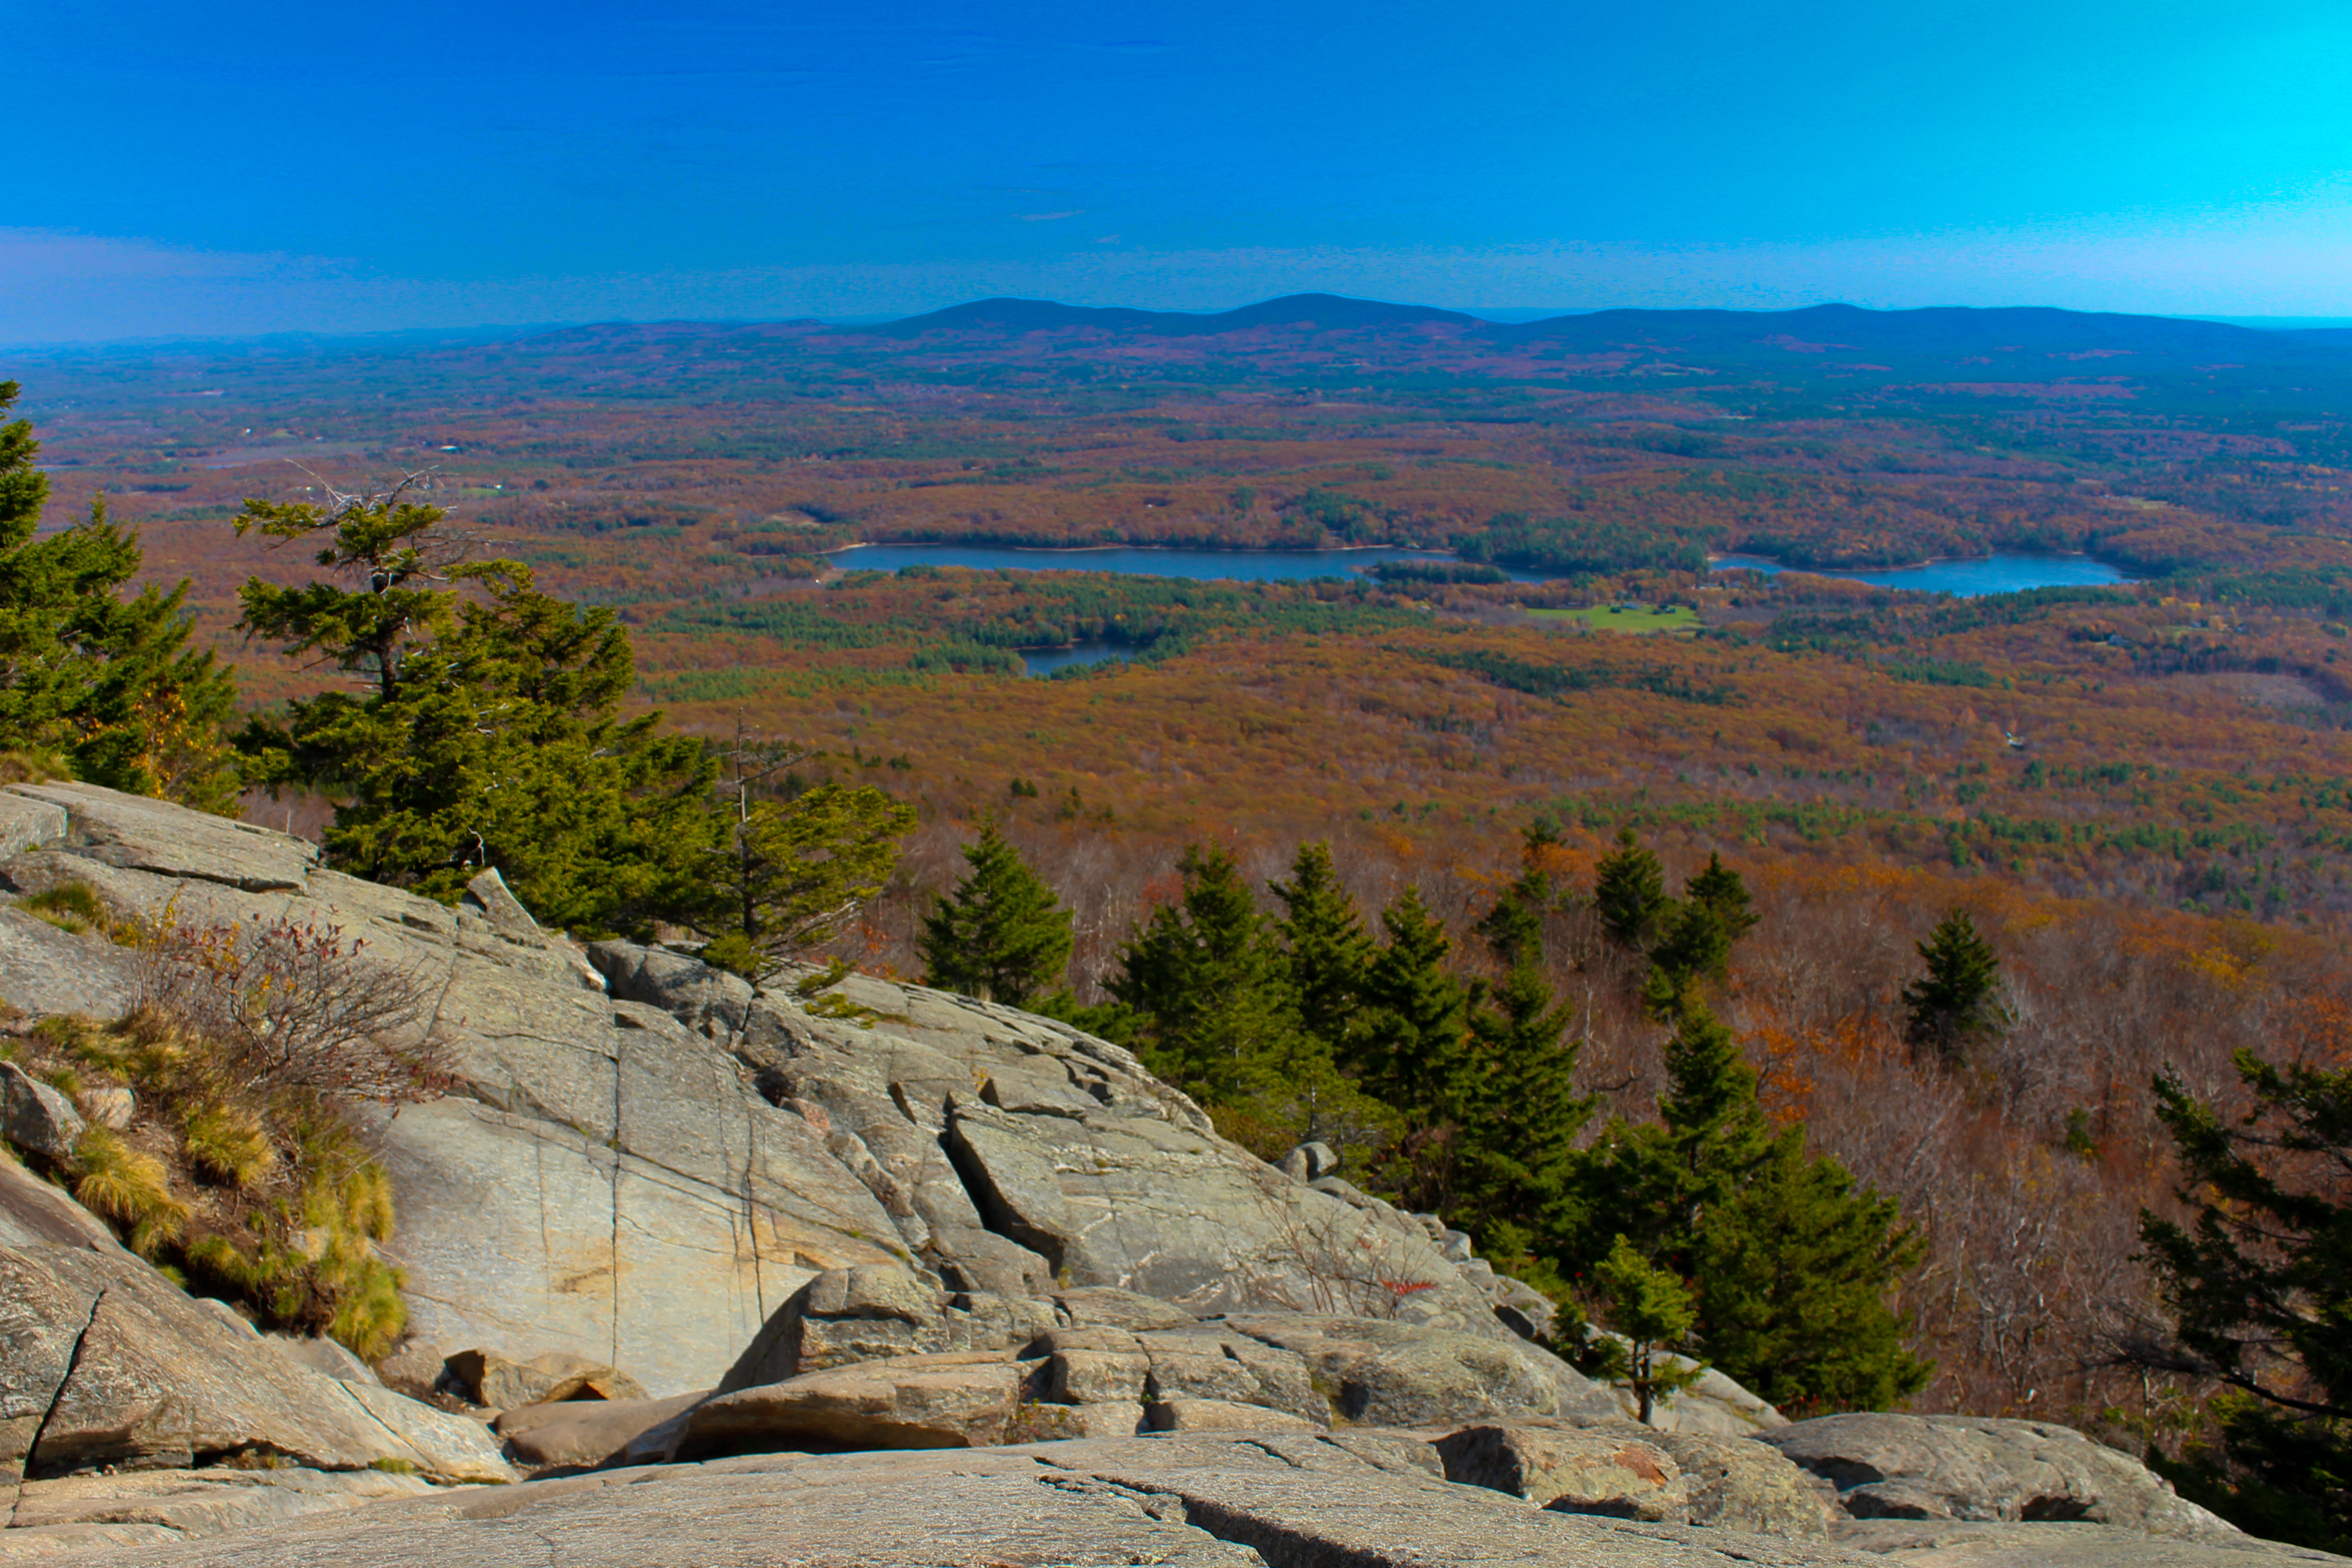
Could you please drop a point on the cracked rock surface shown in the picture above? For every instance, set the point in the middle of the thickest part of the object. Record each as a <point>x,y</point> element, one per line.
<point>643,1160</point>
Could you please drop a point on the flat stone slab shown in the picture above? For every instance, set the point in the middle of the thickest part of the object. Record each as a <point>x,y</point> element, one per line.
<point>1348,1499</point>
<point>26,823</point>
<point>145,835</point>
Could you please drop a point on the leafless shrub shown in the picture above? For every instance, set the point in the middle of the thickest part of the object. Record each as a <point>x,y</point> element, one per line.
<point>285,1006</point>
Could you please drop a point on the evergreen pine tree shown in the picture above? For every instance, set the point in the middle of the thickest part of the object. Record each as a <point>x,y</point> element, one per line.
<point>1207,990</point>
<point>1521,1113</point>
<point>105,680</point>
<point>1697,934</point>
<point>1790,1263</point>
<point>1955,1003</point>
<point>1412,1052</point>
<point>1521,1116</point>
<point>1720,889</point>
<point>1695,947</point>
<point>1795,1270</point>
<point>1001,935</point>
<point>482,731</point>
<point>1652,1309</point>
<point>1629,893</point>
<point>2258,1278</point>
<point>793,873</point>
<point>1325,950</point>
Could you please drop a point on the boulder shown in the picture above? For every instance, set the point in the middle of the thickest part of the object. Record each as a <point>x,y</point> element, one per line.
<point>643,1159</point>
<point>110,1105</point>
<point>1979,1469</point>
<point>34,1214</point>
<point>844,1316</point>
<point>957,1400</point>
<point>495,1383</point>
<point>1737,1483</point>
<point>1109,1306</point>
<point>584,1433</point>
<point>36,1117</point>
<point>1595,1470</point>
<point>46,970</point>
<point>104,1363</point>
<point>136,832</point>
<point>1400,1374</point>
<point>1713,1404</point>
<point>1220,1416</point>
<point>1310,1163</point>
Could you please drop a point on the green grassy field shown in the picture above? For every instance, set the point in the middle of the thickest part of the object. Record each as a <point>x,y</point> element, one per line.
<point>1638,619</point>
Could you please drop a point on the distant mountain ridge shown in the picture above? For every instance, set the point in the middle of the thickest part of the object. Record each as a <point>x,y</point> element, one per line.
<point>1324,311</point>
<point>1821,332</point>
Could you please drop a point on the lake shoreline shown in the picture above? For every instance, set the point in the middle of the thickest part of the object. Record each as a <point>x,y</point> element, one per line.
<point>1430,551</point>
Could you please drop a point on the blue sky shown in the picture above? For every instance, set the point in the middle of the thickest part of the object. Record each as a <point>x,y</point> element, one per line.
<point>249,166</point>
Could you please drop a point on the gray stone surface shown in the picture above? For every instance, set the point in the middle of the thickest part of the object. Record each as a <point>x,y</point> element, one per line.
<point>46,970</point>
<point>139,834</point>
<point>497,1383</point>
<point>35,1214</point>
<point>1395,1374</point>
<point>582,1432</point>
<point>643,1159</point>
<point>1981,1469</point>
<point>1611,1472</point>
<point>1359,1499</point>
<point>36,1117</point>
<point>103,1362</point>
<point>199,1503</point>
<point>1294,1500</point>
<point>1737,1483</point>
<point>26,823</point>
<point>845,1315</point>
<point>324,1357</point>
<point>1907,1543</point>
<point>958,1399</point>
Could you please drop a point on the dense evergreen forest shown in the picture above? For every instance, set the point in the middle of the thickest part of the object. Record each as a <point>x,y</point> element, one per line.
<point>1887,998</point>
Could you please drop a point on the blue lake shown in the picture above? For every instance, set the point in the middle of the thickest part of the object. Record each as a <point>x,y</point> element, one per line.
<point>1043,662</point>
<point>1967,579</point>
<point>1245,565</point>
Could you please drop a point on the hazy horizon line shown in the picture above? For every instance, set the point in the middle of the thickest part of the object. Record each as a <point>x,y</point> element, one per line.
<point>1500,315</point>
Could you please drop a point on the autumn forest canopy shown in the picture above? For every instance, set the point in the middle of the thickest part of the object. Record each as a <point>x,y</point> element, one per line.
<point>1887,997</point>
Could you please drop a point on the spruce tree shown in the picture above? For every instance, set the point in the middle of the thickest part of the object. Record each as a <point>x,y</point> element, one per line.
<point>1652,1311</point>
<point>1629,894</point>
<point>1697,934</point>
<point>481,726</point>
<point>2254,1274</point>
<point>1325,950</point>
<point>793,873</point>
<point>1956,1002</point>
<point>1720,889</point>
<point>1001,935</point>
<point>1412,1053</point>
<point>1795,1268</point>
<point>1695,947</point>
<point>1789,1262</point>
<point>1521,1113</point>
<point>108,681</point>
<point>1206,988</point>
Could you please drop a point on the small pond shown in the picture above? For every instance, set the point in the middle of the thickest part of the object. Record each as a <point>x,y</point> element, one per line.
<point>1245,566</point>
<point>1965,579</point>
<point>1043,662</point>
